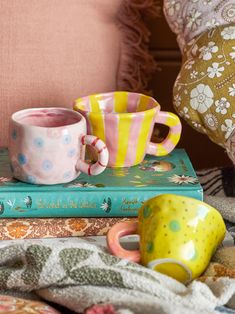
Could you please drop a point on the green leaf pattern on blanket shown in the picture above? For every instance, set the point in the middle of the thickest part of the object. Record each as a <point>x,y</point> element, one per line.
<point>70,258</point>
<point>133,265</point>
<point>36,257</point>
<point>139,272</point>
<point>4,275</point>
<point>11,259</point>
<point>11,254</point>
<point>109,260</point>
<point>86,275</point>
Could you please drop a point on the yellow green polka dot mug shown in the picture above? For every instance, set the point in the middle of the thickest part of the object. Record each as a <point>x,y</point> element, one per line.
<point>178,236</point>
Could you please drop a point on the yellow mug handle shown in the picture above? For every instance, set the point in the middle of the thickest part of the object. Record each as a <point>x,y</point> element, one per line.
<point>168,144</point>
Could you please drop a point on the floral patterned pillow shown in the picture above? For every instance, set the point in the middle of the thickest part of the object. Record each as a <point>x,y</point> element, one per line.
<point>204,91</point>
<point>190,18</point>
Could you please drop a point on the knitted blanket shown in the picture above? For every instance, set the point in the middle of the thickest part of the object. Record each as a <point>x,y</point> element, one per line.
<point>77,274</point>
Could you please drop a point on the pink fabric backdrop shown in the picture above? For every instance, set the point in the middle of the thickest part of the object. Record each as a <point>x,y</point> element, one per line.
<point>53,51</point>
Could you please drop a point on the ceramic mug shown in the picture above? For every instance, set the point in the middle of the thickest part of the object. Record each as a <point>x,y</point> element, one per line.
<point>125,122</point>
<point>178,236</point>
<point>47,146</point>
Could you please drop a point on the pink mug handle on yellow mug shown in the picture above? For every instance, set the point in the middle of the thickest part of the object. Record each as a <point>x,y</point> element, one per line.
<point>113,236</point>
<point>168,144</point>
<point>102,152</point>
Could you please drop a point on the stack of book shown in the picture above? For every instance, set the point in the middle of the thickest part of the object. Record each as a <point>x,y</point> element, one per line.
<point>90,205</point>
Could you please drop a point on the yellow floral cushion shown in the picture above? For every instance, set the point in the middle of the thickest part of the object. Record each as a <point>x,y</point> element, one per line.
<point>204,92</point>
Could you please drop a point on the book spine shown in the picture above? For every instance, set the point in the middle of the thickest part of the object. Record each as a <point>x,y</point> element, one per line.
<point>80,204</point>
<point>32,228</point>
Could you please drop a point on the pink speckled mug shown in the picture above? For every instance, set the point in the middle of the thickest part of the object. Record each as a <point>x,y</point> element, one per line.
<point>47,146</point>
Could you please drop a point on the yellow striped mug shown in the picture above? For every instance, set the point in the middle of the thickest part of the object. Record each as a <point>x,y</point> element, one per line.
<point>125,122</point>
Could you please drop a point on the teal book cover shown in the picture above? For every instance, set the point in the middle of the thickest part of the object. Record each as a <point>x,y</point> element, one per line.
<point>117,192</point>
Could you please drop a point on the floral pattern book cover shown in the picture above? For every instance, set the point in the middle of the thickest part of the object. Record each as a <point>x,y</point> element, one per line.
<point>117,192</point>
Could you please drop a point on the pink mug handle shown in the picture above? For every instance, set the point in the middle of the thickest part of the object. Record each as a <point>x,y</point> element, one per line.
<point>168,144</point>
<point>115,233</point>
<point>102,152</point>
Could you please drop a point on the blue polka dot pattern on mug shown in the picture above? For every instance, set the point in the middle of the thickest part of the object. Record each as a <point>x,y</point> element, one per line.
<point>72,152</point>
<point>14,134</point>
<point>66,139</point>
<point>147,211</point>
<point>150,247</point>
<point>67,175</point>
<point>22,159</point>
<point>174,226</point>
<point>31,179</point>
<point>47,165</point>
<point>38,142</point>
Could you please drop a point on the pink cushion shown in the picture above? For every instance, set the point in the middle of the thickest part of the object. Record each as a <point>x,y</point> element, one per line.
<point>54,51</point>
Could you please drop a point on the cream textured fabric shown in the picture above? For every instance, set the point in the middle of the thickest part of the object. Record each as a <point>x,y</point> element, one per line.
<point>77,274</point>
